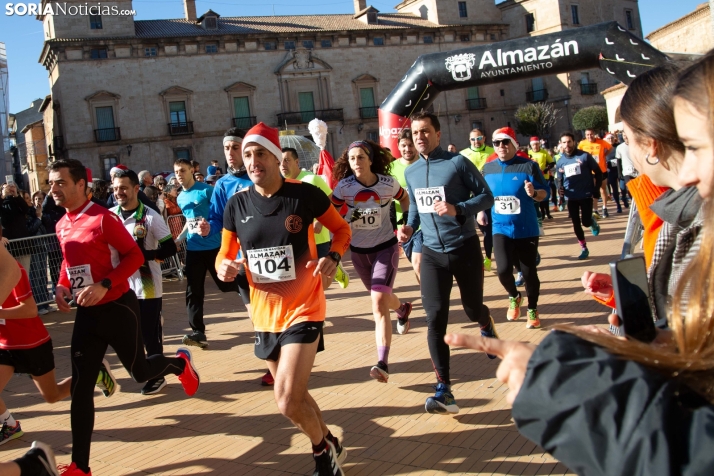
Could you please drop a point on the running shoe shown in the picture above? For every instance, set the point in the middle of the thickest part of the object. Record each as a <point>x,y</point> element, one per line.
<point>403,322</point>
<point>340,450</point>
<point>267,380</point>
<point>8,432</point>
<point>106,382</point>
<point>189,377</point>
<point>561,207</point>
<point>520,280</point>
<point>153,386</point>
<point>196,339</point>
<point>380,372</point>
<point>584,254</point>
<point>42,311</point>
<point>605,214</point>
<point>541,231</point>
<point>596,216</point>
<point>44,456</point>
<point>491,332</point>
<point>72,470</point>
<point>514,308</point>
<point>533,321</point>
<point>442,402</point>
<point>326,463</point>
<point>619,208</point>
<point>595,228</point>
<point>341,276</point>
<point>487,264</point>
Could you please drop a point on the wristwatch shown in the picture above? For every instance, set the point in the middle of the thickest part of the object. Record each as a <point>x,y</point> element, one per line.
<point>459,210</point>
<point>106,283</point>
<point>335,256</point>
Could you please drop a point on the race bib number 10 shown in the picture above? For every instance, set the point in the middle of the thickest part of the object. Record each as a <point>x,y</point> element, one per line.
<point>79,277</point>
<point>271,265</point>
<point>369,219</point>
<point>427,197</point>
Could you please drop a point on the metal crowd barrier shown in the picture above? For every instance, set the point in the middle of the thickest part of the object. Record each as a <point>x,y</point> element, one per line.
<point>41,256</point>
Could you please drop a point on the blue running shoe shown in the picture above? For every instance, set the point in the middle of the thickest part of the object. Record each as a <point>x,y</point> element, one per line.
<point>442,402</point>
<point>490,331</point>
<point>520,280</point>
<point>584,254</point>
<point>595,228</point>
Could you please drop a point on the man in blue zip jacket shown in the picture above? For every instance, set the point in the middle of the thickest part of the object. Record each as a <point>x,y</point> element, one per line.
<point>516,183</point>
<point>446,191</point>
<point>581,176</point>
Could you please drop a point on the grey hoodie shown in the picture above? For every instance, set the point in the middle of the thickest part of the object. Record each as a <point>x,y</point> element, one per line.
<point>464,187</point>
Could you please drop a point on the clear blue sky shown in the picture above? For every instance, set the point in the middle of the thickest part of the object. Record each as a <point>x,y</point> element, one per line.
<point>23,35</point>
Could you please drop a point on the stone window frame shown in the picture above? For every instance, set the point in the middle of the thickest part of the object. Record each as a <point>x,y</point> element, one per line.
<point>176,94</point>
<point>99,56</point>
<point>378,41</point>
<point>326,43</point>
<point>94,24</point>
<point>103,99</point>
<point>151,51</point>
<point>178,148</point>
<point>430,41</point>
<point>210,48</point>
<point>102,167</point>
<point>240,89</point>
<point>305,44</point>
<point>365,80</point>
<point>632,27</point>
<point>463,11</point>
<point>290,45</point>
<point>270,45</point>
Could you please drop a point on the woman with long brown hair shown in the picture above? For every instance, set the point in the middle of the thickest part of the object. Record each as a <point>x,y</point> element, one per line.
<point>367,188</point>
<point>611,406</point>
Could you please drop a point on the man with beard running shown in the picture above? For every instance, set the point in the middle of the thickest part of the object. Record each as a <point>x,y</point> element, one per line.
<point>99,257</point>
<point>272,224</point>
<point>581,176</point>
<point>446,191</point>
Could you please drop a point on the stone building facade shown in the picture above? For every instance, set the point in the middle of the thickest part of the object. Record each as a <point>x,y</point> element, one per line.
<point>692,33</point>
<point>145,92</point>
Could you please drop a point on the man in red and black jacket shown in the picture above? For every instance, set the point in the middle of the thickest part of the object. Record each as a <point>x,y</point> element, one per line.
<point>99,257</point>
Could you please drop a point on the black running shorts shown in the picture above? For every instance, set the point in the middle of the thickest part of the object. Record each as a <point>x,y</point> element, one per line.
<point>268,344</point>
<point>36,361</point>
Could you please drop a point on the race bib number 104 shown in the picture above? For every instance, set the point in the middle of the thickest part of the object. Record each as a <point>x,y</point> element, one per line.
<point>427,197</point>
<point>271,265</point>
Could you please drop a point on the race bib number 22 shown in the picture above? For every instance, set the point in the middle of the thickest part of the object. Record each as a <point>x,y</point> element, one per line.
<point>79,277</point>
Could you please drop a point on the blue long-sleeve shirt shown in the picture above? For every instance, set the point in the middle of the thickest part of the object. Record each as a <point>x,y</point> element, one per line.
<point>580,173</point>
<point>513,213</point>
<point>461,184</point>
<point>195,204</point>
<point>226,186</point>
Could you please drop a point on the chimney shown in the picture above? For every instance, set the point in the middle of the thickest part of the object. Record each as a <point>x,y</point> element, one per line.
<point>360,5</point>
<point>189,9</point>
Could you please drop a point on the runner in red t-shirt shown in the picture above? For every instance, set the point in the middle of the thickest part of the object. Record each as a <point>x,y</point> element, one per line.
<point>25,348</point>
<point>99,257</point>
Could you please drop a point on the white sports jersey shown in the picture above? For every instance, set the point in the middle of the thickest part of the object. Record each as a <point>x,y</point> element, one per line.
<point>146,283</point>
<point>368,208</point>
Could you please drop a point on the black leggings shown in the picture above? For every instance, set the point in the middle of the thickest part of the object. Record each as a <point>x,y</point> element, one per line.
<point>438,271</point>
<point>614,183</point>
<point>523,253</point>
<point>115,324</point>
<point>152,328</point>
<point>553,191</point>
<point>544,209</point>
<point>487,235</point>
<point>197,263</point>
<point>581,214</point>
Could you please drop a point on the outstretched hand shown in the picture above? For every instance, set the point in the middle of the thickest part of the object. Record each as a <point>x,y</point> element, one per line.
<point>514,358</point>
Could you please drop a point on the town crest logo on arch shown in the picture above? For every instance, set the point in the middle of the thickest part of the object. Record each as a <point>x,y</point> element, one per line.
<point>460,66</point>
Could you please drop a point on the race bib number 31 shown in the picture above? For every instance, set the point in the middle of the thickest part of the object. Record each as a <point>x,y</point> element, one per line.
<point>507,205</point>
<point>79,277</point>
<point>369,219</point>
<point>427,197</point>
<point>271,265</point>
<point>193,225</point>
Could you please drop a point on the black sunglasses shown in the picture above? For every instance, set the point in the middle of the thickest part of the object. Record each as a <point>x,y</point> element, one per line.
<point>499,143</point>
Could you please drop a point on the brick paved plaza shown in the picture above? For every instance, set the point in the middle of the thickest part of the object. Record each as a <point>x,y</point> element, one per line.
<point>232,425</point>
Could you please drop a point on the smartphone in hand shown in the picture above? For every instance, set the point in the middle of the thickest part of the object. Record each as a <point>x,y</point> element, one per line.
<point>629,281</point>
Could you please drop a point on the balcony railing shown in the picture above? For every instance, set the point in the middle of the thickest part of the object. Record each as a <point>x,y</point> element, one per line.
<point>368,112</point>
<point>473,104</point>
<point>539,95</point>
<point>244,122</point>
<point>304,117</point>
<point>180,128</point>
<point>588,89</point>
<point>107,135</point>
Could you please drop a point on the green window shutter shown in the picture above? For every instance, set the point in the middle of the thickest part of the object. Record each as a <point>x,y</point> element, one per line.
<point>307,106</point>
<point>472,92</point>
<point>241,107</point>
<point>105,117</point>
<point>366,96</point>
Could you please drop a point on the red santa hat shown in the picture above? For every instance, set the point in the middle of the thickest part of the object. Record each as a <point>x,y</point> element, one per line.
<point>118,168</point>
<point>535,139</point>
<point>506,133</point>
<point>266,136</point>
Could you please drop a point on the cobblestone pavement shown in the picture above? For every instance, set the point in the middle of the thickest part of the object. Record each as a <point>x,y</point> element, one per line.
<point>232,425</point>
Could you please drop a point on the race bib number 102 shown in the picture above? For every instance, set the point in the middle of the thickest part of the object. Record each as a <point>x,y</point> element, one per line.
<point>427,197</point>
<point>271,265</point>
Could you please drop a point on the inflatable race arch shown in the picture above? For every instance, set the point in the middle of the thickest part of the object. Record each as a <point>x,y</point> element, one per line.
<point>605,45</point>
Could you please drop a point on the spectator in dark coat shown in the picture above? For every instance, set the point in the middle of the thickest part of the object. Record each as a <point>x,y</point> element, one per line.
<point>13,217</point>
